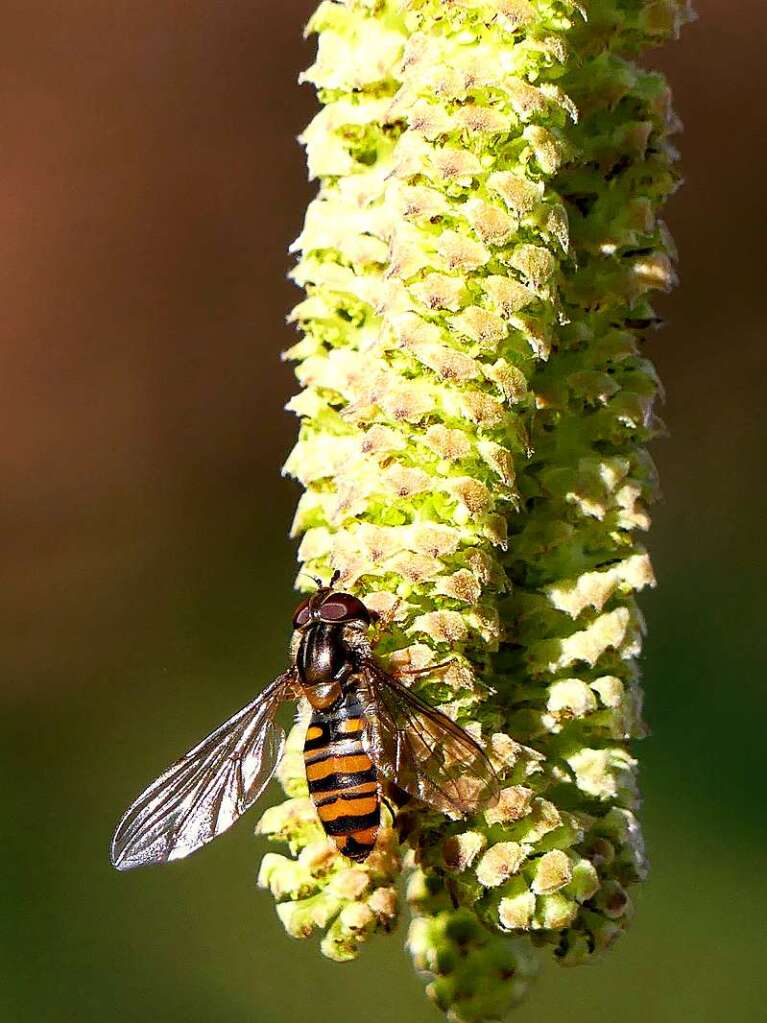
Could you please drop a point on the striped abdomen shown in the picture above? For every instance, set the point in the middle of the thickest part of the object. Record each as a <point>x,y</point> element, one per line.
<point>342,780</point>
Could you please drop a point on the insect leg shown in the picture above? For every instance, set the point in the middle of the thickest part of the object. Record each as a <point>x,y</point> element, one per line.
<point>452,891</point>
<point>415,672</point>
<point>389,807</point>
<point>383,620</point>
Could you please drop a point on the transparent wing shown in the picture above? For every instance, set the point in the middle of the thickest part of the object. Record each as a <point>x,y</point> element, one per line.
<point>208,789</point>
<point>421,750</point>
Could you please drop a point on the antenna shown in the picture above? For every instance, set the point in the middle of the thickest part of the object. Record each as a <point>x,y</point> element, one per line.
<point>317,582</point>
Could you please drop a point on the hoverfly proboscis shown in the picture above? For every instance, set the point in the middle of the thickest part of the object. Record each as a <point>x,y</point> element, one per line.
<point>366,728</point>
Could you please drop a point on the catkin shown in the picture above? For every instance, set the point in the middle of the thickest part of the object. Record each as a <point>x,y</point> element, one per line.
<point>474,407</point>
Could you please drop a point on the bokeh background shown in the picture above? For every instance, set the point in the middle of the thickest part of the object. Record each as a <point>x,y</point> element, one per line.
<point>150,184</point>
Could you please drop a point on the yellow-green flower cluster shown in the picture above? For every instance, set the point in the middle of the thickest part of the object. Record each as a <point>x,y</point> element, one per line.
<point>474,409</point>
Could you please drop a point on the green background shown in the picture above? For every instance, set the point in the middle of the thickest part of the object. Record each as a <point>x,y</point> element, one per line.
<point>150,186</point>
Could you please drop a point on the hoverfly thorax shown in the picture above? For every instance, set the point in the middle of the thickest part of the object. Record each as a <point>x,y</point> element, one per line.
<point>324,661</point>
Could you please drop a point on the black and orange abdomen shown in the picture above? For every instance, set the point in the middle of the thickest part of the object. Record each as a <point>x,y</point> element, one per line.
<point>343,782</point>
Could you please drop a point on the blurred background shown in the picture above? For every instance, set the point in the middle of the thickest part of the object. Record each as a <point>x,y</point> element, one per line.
<point>150,184</point>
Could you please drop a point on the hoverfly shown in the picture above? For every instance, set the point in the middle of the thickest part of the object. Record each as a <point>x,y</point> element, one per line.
<point>366,728</point>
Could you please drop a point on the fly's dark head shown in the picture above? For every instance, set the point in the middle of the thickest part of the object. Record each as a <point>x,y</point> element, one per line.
<point>332,607</point>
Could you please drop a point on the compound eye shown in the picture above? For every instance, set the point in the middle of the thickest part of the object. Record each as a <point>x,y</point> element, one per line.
<point>343,607</point>
<point>303,614</point>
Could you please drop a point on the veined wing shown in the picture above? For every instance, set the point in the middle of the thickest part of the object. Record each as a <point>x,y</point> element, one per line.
<point>209,788</point>
<point>421,750</point>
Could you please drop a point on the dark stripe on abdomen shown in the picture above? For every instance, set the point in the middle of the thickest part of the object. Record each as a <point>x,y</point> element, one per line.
<point>350,825</point>
<point>342,781</point>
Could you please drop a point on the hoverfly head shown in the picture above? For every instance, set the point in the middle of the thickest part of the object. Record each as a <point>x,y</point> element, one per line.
<point>334,607</point>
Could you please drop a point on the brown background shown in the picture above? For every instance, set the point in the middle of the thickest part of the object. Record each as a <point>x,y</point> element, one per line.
<point>150,184</point>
